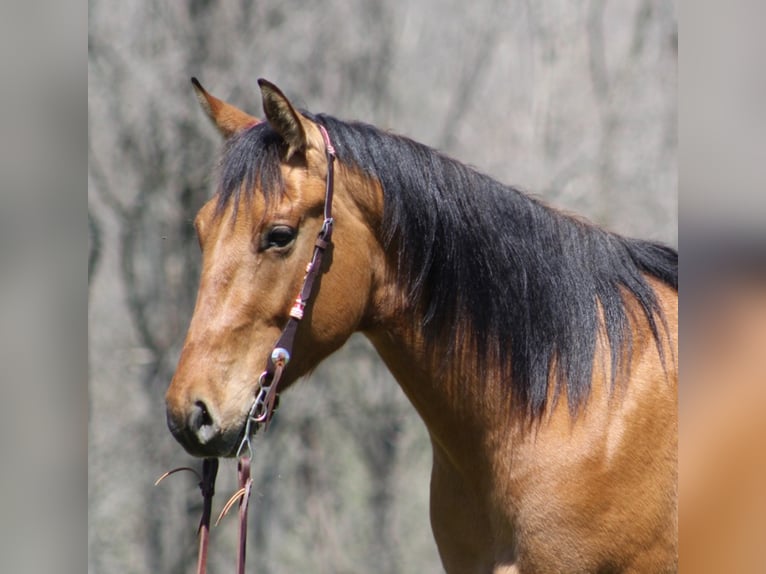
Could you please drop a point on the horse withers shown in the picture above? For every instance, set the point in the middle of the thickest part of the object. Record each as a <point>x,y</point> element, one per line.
<point>540,350</point>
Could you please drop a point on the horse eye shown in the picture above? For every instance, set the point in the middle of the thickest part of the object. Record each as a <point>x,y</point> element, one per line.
<point>279,236</point>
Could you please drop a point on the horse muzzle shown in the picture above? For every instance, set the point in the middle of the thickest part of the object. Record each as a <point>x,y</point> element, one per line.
<point>198,429</point>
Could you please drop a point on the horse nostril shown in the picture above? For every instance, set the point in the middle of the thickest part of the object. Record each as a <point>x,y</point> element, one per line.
<point>201,423</point>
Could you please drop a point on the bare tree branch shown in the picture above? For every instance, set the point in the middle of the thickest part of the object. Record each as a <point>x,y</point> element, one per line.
<point>95,245</point>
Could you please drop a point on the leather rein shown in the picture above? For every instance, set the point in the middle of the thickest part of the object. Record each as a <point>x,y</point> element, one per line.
<point>266,397</point>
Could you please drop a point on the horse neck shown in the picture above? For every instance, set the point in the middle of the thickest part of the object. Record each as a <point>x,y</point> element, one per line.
<point>458,408</point>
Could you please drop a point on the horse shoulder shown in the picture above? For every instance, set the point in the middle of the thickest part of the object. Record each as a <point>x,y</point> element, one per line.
<point>598,492</point>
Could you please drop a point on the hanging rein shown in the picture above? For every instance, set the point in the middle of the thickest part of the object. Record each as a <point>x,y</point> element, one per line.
<point>266,397</point>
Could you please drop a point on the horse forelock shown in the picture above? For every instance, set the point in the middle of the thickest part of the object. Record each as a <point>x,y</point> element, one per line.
<point>532,287</point>
<point>250,161</point>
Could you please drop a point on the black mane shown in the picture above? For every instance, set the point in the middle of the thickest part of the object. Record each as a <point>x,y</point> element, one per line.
<point>476,256</point>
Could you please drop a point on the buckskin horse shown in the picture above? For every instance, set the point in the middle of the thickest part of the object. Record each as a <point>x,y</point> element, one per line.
<point>539,349</point>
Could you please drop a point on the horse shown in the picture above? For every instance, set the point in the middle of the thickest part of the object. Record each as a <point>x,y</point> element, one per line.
<point>539,349</point>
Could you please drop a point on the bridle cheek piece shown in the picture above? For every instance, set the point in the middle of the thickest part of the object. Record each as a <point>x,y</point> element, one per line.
<point>266,400</point>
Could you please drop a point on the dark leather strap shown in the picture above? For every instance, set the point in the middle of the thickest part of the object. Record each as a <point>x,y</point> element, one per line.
<point>283,348</point>
<point>207,487</point>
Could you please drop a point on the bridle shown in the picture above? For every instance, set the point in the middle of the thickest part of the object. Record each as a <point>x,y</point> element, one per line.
<point>268,383</point>
<point>266,396</point>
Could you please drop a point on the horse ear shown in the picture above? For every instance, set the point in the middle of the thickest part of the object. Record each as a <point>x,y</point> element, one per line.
<point>228,119</point>
<point>283,117</point>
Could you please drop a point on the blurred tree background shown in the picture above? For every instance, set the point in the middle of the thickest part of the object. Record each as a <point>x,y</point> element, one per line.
<point>573,101</point>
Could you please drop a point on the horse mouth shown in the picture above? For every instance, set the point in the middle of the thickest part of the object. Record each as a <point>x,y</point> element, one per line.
<point>229,443</point>
<point>215,442</point>
<point>220,446</point>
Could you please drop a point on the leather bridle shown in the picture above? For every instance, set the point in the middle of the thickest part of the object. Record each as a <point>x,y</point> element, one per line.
<point>266,396</point>
<point>268,383</point>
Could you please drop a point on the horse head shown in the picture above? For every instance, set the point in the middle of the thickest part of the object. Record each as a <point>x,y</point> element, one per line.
<point>257,235</point>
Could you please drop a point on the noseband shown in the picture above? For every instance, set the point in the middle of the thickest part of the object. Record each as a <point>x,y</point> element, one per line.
<point>266,396</point>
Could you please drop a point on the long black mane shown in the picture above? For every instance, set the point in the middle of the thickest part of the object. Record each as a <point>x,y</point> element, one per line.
<point>473,255</point>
